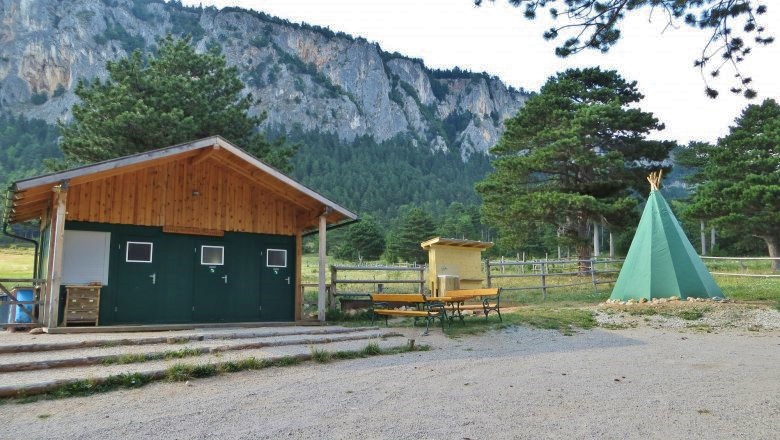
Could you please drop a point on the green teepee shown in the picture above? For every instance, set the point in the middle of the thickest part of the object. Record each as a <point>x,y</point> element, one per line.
<point>661,261</point>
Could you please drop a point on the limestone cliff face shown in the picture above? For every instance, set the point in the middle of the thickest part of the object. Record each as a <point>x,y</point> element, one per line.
<point>306,77</point>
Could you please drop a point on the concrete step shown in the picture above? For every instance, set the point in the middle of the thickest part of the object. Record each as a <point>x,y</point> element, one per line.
<point>23,343</point>
<point>25,383</point>
<point>25,361</point>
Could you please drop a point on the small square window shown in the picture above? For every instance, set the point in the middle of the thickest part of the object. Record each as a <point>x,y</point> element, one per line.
<point>276,258</point>
<point>139,252</point>
<point>212,255</point>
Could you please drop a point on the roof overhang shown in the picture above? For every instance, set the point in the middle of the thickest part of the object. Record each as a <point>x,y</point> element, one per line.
<point>29,198</point>
<point>454,242</point>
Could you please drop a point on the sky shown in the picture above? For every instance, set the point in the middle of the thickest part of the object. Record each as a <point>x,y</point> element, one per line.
<point>496,39</point>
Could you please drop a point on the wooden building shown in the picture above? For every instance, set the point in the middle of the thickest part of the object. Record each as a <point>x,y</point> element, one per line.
<point>193,233</point>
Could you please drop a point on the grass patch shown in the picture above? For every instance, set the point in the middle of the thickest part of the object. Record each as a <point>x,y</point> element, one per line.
<point>372,349</point>
<point>642,311</point>
<point>145,357</point>
<point>564,320</point>
<point>619,326</point>
<point>691,314</point>
<point>16,262</point>
<point>321,356</point>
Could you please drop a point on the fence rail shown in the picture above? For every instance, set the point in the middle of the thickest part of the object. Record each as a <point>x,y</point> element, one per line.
<point>743,269</point>
<point>545,270</point>
<point>337,270</point>
<point>19,306</point>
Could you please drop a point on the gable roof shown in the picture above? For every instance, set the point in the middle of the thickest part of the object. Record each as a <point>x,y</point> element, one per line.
<point>29,198</point>
<point>661,261</point>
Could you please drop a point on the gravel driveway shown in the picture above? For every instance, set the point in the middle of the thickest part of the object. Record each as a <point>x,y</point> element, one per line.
<point>642,382</point>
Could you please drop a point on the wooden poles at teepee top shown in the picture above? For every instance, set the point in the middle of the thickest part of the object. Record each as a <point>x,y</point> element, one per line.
<point>655,180</point>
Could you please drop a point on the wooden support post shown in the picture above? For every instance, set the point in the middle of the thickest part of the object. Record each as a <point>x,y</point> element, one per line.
<point>321,296</point>
<point>299,299</point>
<point>544,280</point>
<point>54,277</point>
<point>596,239</point>
<point>487,271</point>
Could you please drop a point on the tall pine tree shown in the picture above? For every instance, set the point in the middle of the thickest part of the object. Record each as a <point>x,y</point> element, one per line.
<point>153,101</point>
<point>571,157</point>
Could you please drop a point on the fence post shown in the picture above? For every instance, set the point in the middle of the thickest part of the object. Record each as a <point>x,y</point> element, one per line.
<point>422,279</point>
<point>544,281</point>
<point>333,275</point>
<point>593,272</point>
<point>487,271</point>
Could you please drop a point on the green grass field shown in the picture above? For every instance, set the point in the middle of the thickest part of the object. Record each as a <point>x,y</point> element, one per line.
<point>16,262</point>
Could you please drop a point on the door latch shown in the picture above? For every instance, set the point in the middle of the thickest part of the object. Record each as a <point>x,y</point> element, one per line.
<point>225,278</point>
<point>288,280</point>
<point>154,278</point>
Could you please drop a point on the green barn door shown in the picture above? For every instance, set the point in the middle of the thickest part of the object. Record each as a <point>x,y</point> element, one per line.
<point>277,280</point>
<point>211,296</point>
<point>137,288</point>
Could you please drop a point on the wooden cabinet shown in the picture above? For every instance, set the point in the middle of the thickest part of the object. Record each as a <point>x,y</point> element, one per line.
<point>82,305</point>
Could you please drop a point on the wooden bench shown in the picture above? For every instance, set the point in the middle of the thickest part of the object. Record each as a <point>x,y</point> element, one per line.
<point>490,301</point>
<point>382,304</point>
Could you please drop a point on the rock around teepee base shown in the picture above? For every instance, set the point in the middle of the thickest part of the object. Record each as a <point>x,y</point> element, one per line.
<point>661,261</point>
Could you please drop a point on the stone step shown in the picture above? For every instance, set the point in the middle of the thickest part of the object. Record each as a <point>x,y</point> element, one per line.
<point>22,344</point>
<point>14,362</point>
<point>25,383</point>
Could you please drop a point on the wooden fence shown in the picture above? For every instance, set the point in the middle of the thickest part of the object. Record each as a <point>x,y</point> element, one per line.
<point>745,270</point>
<point>578,272</point>
<point>19,306</point>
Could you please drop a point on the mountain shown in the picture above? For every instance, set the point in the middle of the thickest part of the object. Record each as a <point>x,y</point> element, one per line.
<point>304,75</point>
<point>374,128</point>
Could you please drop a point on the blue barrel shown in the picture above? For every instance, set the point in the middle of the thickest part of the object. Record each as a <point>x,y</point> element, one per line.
<point>5,309</point>
<point>23,294</point>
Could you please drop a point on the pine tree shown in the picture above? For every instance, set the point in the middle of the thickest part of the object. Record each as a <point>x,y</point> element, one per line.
<point>415,226</point>
<point>153,101</point>
<point>739,192</point>
<point>571,157</point>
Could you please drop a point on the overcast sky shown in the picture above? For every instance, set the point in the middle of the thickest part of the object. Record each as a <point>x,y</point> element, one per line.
<point>495,38</point>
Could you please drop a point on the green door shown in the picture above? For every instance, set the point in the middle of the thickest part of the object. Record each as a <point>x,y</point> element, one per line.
<point>137,287</point>
<point>212,296</point>
<point>277,279</point>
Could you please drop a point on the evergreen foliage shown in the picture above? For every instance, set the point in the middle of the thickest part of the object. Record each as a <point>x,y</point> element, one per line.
<point>595,24</point>
<point>378,178</point>
<point>461,221</point>
<point>364,240</point>
<point>738,180</point>
<point>24,143</point>
<point>415,226</point>
<point>151,102</point>
<point>570,157</point>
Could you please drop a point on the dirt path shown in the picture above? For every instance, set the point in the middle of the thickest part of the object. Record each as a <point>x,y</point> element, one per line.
<point>518,383</point>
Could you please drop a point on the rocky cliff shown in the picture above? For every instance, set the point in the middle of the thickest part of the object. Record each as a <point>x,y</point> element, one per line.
<point>304,76</point>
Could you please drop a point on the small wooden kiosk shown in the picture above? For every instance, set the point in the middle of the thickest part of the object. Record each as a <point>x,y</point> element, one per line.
<point>454,264</point>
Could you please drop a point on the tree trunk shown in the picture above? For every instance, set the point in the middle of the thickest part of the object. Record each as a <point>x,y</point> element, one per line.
<point>772,246</point>
<point>583,248</point>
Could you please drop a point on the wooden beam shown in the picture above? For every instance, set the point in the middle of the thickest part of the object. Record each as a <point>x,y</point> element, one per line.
<point>193,231</point>
<point>257,179</point>
<point>321,296</point>
<point>207,153</point>
<point>129,168</point>
<point>298,272</point>
<point>54,276</point>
